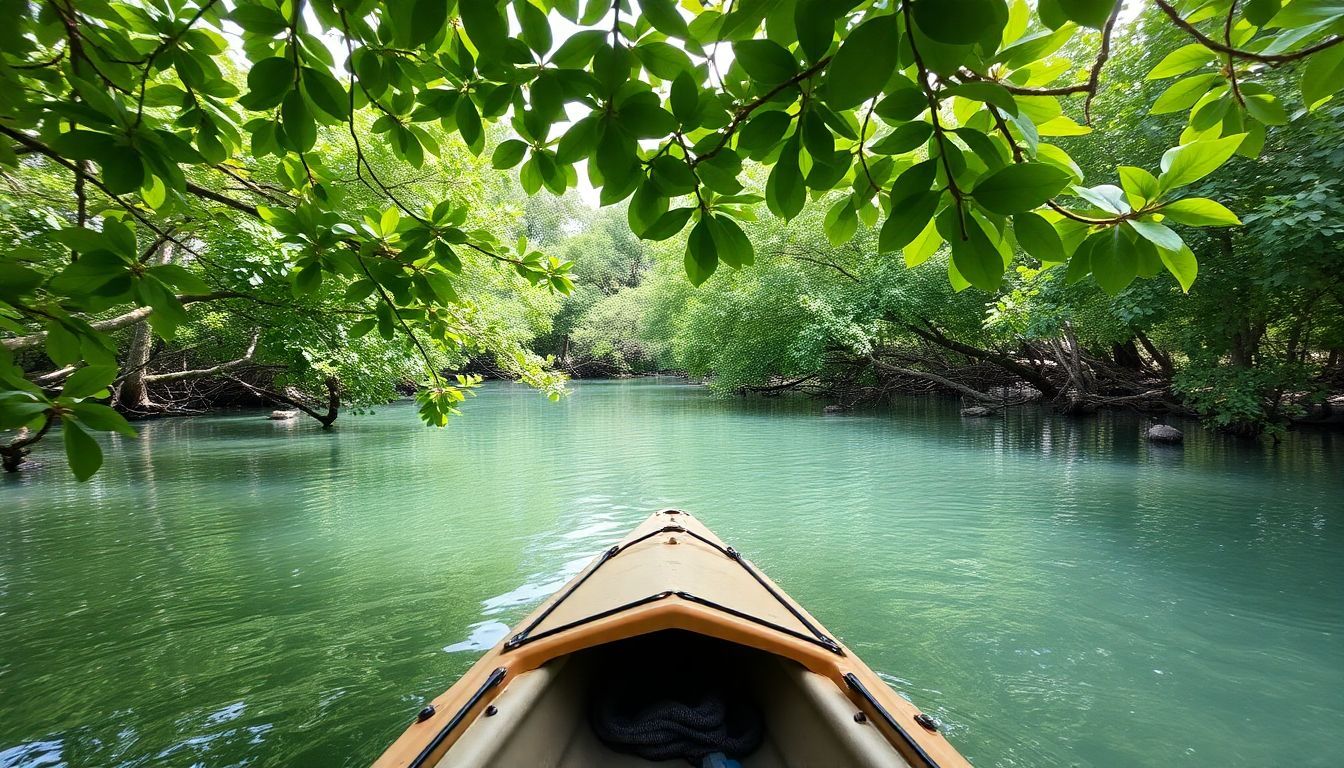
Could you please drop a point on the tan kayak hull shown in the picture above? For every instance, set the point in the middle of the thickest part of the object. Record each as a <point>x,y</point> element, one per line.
<point>690,585</point>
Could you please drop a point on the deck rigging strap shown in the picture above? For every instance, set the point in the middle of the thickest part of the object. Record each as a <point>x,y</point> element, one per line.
<point>817,636</point>
<point>854,682</point>
<point>496,677</point>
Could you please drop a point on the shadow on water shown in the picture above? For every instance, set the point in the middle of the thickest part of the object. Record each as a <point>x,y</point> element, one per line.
<point>232,590</point>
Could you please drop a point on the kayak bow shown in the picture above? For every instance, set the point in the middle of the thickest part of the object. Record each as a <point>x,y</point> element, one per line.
<point>671,645</point>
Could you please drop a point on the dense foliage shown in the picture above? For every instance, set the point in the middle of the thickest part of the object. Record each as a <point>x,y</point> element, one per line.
<point>306,166</point>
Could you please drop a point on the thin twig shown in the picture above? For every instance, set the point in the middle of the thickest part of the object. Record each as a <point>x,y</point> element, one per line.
<point>1104,53</point>
<point>937,123</point>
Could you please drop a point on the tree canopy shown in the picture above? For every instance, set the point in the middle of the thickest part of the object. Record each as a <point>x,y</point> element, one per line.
<point>303,123</point>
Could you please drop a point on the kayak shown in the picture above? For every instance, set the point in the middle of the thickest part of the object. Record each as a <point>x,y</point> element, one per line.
<point>671,646</point>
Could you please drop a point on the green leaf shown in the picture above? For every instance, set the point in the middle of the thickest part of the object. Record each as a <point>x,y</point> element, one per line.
<point>362,327</point>
<point>300,128</point>
<point>908,219</point>
<point>784,191</point>
<point>765,61</point>
<point>307,279</point>
<point>672,176</point>
<point>1114,260</point>
<point>1157,234</point>
<point>1140,186</point>
<point>764,131</point>
<point>701,253</point>
<point>83,145</point>
<point>959,22</point>
<point>647,205</point>
<point>662,15</point>
<point>924,245</point>
<point>1019,187</point>
<point>665,61</point>
<point>1107,197</point>
<point>989,93</point>
<point>326,93</point>
<point>259,19</point>
<point>580,140</point>
<point>536,28</point>
<point>669,224</point>
<point>1267,109</point>
<point>81,450</point>
<point>1191,162</point>
<point>1182,265</point>
<point>268,81</point>
<point>902,103</point>
<point>101,273</point>
<point>63,347</point>
<point>1185,59</point>
<point>1038,237</point>
<point>89,381</point>
<point>123,170</point>
<point>814,21</point>
<point>485,25</point>
<point>1323,75</point>
<point>730,243</point>
<point>1182,94</point>
<point>646,120</point>
<point>469,125</point>
<point>101,418</point>
<point>1089,13</point>
<point>508,154</point>
<point>840,222</point>
<point>976,257</point>
<point>427,20</point>
<point>1200,212</point>
<point>904,139</point>
<point>1036,46</point>
<point>864,63</point>
<point>1259,12</point>
<point>1302,13</point>
<point>684,99</point>
<point>82,239</point>
<point>18,409</point>
<point>578,49</point>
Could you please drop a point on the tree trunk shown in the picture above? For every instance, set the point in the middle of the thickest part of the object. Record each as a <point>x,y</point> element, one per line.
<point>1126,356</point>
<point>1162,359</point>
<point>134,394</point>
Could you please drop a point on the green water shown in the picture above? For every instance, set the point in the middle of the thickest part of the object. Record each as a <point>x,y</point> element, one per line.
<point>234,591</point>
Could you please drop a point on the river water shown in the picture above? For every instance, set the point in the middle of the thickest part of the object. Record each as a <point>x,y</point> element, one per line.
<point>234,591</point>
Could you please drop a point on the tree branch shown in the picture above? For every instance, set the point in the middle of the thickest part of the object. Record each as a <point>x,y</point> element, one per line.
<point>1264,58</point>
<point>201,373</point>
<point>120,321</point>
<point>745,111</point>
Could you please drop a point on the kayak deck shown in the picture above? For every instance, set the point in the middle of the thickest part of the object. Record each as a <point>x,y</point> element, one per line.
<point>668,606</point>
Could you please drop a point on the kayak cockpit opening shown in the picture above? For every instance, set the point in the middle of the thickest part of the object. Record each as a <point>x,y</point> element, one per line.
<point>670,698</point>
